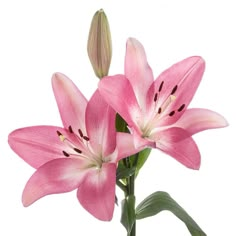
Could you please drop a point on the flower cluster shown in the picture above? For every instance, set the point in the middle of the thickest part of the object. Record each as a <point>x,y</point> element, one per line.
<point>85,152</point>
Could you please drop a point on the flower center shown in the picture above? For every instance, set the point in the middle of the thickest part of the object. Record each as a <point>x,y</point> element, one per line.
<point>161,110</point>
<point>79,147</point>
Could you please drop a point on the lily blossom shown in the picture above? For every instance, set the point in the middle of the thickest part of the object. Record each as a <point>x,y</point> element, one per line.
<point>83,155</point>
<point>156,110</point>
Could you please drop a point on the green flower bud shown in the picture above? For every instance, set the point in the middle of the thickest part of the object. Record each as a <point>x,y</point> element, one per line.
<point>99,44</point>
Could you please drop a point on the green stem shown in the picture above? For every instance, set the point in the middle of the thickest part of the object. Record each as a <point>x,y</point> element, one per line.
<point>131,191</point>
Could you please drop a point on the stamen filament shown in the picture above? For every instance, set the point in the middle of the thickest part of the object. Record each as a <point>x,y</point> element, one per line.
<point>86,152</point>
<point>167,102</point>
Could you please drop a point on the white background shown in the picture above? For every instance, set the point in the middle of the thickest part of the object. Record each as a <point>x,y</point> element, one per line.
<point>38,38</point>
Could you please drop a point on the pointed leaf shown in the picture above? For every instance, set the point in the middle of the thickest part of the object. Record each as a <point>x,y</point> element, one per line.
<point>128,213</point>
<point>121,125</point>
<point>122,166</point>
<point>137,160</point>
<point>142,157</point>
<point>123,172</point>
<point>160,201</point>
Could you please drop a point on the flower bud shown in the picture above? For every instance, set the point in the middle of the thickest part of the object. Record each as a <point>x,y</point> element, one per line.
<point>99,44</point>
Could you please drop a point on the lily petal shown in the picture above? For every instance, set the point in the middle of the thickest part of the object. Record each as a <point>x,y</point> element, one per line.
<point>97,192</point>
<point>71,102</point>
<point>196,119</point>
<point>177,143</point>
<point>126,146</point>
<point>119,94</point>
<point>137,69</point>
<point>179,84</point>
<point>37,144</point>
<point>100,124</point>
<point>56,176</point>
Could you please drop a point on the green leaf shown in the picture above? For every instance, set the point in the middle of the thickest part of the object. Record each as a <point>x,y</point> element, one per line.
<point>139,159</point>
<point>160,201</point>
<point>121,125</point>
<point>123,172</point>
<point>142,157</point>
<point>128,212</point>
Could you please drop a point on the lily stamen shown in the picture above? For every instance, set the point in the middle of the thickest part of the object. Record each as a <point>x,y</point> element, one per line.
<point>181,108</point>
<point>161,86</point>
<point>77,150</point>
<point>155,97</point>
<point>86,138</point>
<point>80,133</point>
<point>72,146</point>
<point>174,90</point>
<point>65,153</point>
<point>70,129</point>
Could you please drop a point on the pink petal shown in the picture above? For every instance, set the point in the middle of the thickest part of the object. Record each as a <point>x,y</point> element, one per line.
<point>57,176</point>
<point>196,120</point>
<point>181,81</point>
<point>126,146</point>
<point>177,143</point>
<point>137,70</point>
<point>71,102</point>
<point>97,192</point>
<point>118,93</point>
<point>100,125</point>
<point>37,145</point>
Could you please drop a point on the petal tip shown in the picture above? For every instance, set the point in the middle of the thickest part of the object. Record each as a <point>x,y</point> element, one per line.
<point>133,42</point>
<point>224,122</point>
<point>197,60</point>
<point>26,201</point>
<point>58,76</point>
<point>197,166</point>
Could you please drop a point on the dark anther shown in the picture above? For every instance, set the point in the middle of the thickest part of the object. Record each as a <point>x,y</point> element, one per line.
<point>80,133</point>
<point>172,113</point>
<point>174,90</point>
<point>155,97</point>
<point>65,154</point>
<point>59,133</point>
<point>159,110</point>
<point>70,129</point>
<point>160,87</point>
<point>77,150</point>
<point>86,138</point>
<point>181,107</point>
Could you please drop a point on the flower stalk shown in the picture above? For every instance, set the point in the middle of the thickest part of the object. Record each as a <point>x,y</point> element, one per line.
<point>131,186</point>
<point>128,218</point>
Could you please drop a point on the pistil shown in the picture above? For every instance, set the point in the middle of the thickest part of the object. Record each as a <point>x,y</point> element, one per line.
<point>87,153</point>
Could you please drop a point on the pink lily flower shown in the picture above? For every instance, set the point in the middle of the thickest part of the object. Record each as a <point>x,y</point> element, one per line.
<point>156,110</point>
<point>83,155</point>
